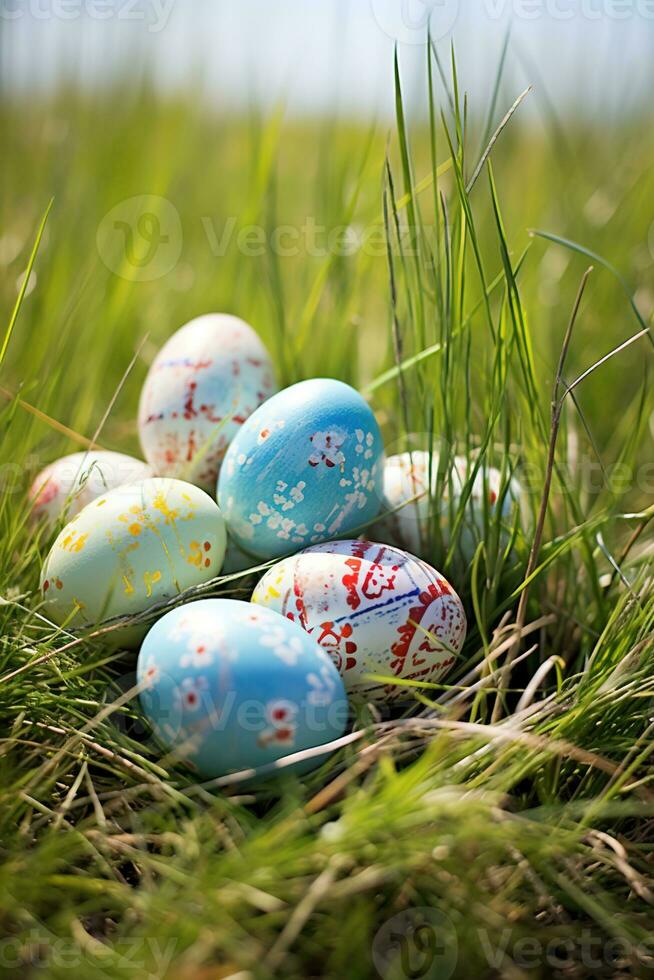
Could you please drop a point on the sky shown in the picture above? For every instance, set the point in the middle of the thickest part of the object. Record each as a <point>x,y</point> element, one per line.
<point>336,55</point>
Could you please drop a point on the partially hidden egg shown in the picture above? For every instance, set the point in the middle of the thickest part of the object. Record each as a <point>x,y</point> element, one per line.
<point>68,484</point>
<point>417,511</point>
<point>129,550</point>
<point>374,609</point>
<point>202,385</point>
<point>228,686</point>
<point>306,467</point>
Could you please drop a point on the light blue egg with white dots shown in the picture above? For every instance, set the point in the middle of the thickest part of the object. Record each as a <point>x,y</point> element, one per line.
<point>229,686</point>
<point>306,467</point>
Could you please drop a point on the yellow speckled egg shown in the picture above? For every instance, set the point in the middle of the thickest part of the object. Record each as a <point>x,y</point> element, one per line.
<point>129,550</point>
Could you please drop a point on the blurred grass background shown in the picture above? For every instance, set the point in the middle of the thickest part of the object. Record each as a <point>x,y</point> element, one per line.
<point>225,175</point>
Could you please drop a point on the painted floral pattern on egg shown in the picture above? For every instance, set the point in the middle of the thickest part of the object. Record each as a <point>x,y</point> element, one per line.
<point>307,466</point>
<point>267,689</point>
<point>374,609</point>
<point>204,383</point>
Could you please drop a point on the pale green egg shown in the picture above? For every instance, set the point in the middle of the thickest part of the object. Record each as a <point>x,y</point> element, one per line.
<point>130,550</point>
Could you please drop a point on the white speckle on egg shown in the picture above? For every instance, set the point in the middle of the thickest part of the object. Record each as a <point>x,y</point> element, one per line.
<point>374,609</point>
<point>72,482</point>
<point>305,467</point>
<point>205,381</point>
<point>129,550</point>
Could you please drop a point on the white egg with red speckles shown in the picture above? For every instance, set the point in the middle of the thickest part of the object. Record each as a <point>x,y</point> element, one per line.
<point>129,550</point>
<point>72,482</point>
<point>374,609</point>
<point>203,384</point>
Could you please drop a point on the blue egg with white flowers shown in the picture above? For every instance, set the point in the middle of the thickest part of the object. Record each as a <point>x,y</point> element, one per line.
<point>230,686</point>
<point>305,467</point>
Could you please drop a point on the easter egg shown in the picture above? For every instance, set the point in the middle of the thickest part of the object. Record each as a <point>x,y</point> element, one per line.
<point>229,686</point>
<point>202,385</point>
<point>306,467</point>
<point>374,609</point>
<point>411,510</point>
<point>72,482</point>
<point>129,550</point>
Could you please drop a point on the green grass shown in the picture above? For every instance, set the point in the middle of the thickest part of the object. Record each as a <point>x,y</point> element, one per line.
<point>515,799</point>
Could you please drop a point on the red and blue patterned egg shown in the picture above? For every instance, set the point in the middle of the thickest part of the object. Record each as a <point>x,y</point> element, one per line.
<point>375,609</point>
